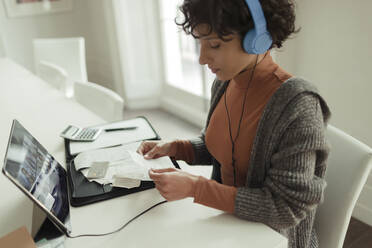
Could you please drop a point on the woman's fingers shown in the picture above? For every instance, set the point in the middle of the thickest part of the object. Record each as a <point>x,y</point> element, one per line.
<point>164,170</point>
<point>149,148</point>
<point>145,146</point>
<point>159,150</point>
<point>152,153</point>
<point>156,176</point>
<point>160,174</point>
<point>173,184</point>
<point>155,149</point>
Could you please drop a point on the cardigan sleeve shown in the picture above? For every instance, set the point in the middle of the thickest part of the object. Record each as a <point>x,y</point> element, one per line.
<point>291,188</point>
<point>201,153</point>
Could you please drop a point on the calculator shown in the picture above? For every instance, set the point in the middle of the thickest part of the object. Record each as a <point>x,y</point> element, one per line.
<point>80,134</point>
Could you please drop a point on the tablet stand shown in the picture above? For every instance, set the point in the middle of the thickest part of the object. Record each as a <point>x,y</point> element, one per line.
<point>47,231</point>
<point>42,227</point>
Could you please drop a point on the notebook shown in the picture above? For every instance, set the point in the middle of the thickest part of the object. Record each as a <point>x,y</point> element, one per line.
<point>82,191</point>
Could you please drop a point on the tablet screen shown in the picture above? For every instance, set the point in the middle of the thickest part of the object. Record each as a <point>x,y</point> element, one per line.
<point>37,173</point>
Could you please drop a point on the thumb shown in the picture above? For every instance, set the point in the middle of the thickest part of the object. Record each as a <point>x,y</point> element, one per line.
<point>150,154</point>
<point>163,170</point>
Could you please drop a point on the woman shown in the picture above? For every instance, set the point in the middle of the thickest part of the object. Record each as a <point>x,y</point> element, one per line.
<point>265,132</point>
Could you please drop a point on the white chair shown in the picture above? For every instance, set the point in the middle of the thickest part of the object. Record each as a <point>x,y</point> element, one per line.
<point>55,76</point>
<point>100,100</point>
<point>68,53</point>
<point>349,165</point>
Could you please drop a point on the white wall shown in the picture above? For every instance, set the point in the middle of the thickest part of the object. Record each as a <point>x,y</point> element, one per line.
<point>333,50</point>
<point>88,18</point>
<point>2,48</point>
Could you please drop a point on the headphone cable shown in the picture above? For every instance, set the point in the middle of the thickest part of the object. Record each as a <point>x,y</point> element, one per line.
<point>122,227</point>
<point>240,120</point>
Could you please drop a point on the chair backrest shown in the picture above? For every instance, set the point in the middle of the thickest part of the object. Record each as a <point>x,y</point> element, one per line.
<point>68,53</point>
<point>100,100</point>
<point>349,166</point>
<point>55,76</point>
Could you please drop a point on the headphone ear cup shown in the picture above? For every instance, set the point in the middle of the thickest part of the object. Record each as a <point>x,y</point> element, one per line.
<point>248,41</point>
<point>263,42</point>
<point>256,44</point>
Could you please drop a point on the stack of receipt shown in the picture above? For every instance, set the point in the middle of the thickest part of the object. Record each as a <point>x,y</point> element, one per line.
<point>120,166</point>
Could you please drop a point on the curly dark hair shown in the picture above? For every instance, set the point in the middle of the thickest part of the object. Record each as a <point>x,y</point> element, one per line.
<point>225,17</point>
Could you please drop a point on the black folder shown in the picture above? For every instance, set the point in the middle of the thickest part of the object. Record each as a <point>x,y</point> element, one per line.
<point>83,192</point>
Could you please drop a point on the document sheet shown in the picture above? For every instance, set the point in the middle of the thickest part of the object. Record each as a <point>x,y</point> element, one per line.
<point>120,166</point>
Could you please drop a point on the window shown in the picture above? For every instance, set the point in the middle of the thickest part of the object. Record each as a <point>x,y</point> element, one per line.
<point>181,56</point>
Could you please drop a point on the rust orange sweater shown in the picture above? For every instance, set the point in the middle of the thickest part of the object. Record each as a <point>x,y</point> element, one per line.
<point>268,76</point>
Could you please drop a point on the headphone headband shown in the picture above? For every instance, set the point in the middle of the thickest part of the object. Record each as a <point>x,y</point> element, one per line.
<point>258,16</point>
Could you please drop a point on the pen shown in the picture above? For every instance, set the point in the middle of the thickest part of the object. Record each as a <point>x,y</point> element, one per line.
<point>119,129</point>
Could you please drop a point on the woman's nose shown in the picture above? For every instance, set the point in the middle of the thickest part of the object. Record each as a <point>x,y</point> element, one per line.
<point>203,58</point>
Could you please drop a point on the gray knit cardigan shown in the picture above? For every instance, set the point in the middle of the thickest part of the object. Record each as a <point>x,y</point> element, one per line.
<point>285,178</point>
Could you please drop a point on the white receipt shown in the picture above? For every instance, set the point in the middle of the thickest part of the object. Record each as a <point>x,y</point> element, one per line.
<point>126,182</point>
<point>146,165</point>
<point>98,170</point>
<point>86,159</point>
<point>126,168</point>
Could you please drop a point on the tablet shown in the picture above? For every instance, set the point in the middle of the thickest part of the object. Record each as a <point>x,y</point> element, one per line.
<point>37,174</point>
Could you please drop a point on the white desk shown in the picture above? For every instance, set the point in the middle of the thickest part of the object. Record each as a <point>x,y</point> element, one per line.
<point>45,112</point>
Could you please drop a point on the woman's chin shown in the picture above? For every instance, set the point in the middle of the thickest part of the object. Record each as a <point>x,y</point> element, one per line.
<point>222,77</point>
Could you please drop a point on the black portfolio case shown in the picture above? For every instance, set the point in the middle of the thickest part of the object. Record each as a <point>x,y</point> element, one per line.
<point>83,192</point>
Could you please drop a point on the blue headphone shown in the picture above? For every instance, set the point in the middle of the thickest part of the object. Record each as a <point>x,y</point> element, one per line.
<point>257,40</point>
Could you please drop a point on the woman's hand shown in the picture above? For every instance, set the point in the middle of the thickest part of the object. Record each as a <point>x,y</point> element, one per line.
<point>157,149</point>
<point>174,184</point>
